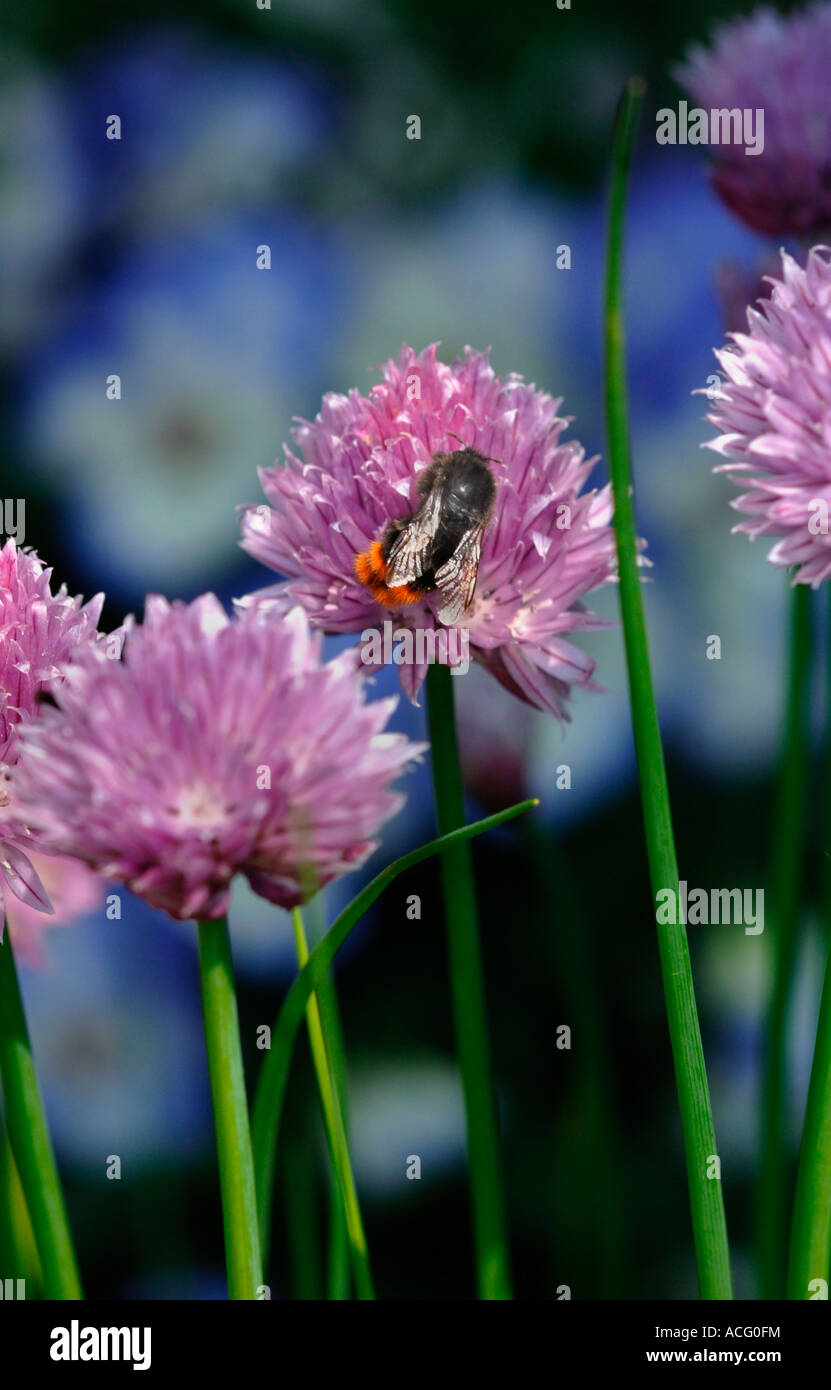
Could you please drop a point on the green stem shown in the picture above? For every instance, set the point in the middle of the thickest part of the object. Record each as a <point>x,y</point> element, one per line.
<point>706,1200</point>
<point>810,1253</point>
<point>786,873</point>
<point>12,1260</point>
<point>30,1140</point>
<point>338,1279</point>
<point>824,827</point>
<point>271,1086</point>
<point>337,1255</point>
<point>321,1045</point>
<point>233,1135</point>
<point>18,1250</point>
<point>468,993</point>
<point>811,1231</point>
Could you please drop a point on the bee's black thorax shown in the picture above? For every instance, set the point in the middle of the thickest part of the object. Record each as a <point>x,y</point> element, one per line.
<point>467,485</point>
<point>467,490</point>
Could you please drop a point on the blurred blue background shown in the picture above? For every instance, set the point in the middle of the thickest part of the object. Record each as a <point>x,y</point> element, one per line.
<point>243,127</point>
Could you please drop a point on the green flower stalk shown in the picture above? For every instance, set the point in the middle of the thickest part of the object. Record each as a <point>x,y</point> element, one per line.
<point>706,1201</point>
<point>810,1245</point>
<point>233,1134</point>
<point>29,1136</point>
<point>811,1231</point>
<point>323,1049</point>
<point>468,992</point>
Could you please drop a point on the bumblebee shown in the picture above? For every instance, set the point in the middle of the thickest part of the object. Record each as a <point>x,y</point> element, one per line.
<point>439,545</point>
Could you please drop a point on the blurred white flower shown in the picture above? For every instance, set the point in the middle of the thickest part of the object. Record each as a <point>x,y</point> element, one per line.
<point>479,268</point>
<point>403,1110</point>
<point>213,357</point>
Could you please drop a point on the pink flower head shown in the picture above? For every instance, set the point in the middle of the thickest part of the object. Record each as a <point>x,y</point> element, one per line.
<point>774,417</point>
<point>779,64</point>
<point>214,747</point>
<point>39,632</point>
<point>547,543</point>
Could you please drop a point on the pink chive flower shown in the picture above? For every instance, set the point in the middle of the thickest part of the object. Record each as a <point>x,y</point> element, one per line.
<point>779,64</point>
<point>546,546</point>
<point>773,413</point>
<point>214,747</point>
<point>39,632</point>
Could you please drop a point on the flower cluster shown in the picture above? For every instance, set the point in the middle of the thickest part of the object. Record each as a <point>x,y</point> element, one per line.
<point>778,64</point>
<point>548,544</point>
<point>214,746</point>
<point>774,417</point>
<point>39,632</point>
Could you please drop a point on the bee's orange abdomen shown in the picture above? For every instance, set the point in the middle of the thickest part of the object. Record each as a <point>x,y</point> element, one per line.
<point>371,565</point>
<point>371,568</point>
<point>398,595</point>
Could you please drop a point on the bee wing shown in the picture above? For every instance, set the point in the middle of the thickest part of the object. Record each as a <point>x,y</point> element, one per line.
<point>456,580</point>
<point>410,551</point>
